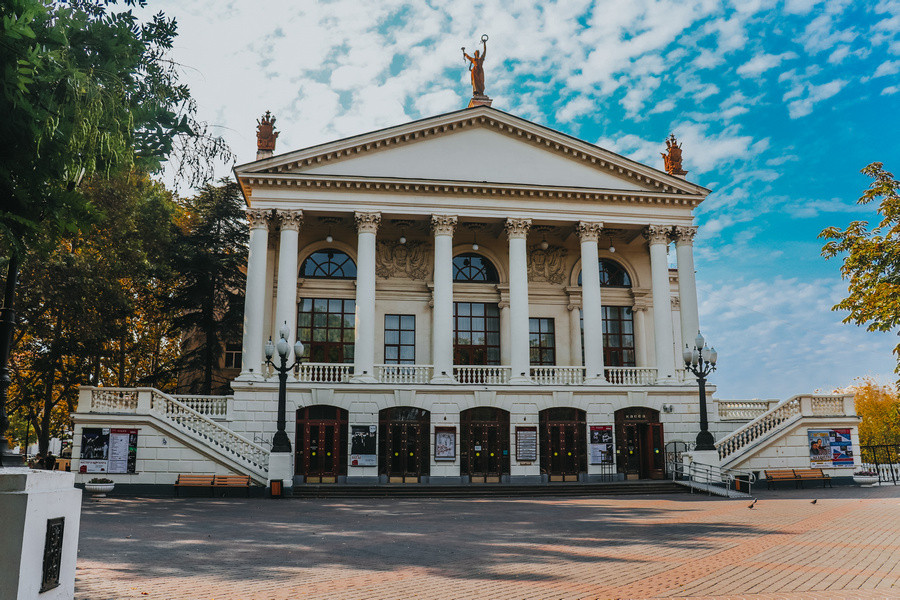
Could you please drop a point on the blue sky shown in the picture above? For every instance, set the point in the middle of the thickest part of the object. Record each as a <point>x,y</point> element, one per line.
<point>778,105</point>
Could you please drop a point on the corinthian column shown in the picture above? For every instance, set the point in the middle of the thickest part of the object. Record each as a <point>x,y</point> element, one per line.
<point>591,307</point>
<point>517,232</point>
<point>255,294</point>
<point>658,238</point>
<point>442,315</point>
<point>364,346</point>
<point>286,300</point>
<point>687,285</point>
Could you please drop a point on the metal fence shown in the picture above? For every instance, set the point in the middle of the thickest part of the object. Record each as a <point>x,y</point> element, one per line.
<point>884,459</point>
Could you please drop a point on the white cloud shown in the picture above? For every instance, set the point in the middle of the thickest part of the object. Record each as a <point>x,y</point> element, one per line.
<point>813,94</point>
<point>763,62</point>
<point>889,90</point>
<point>890,67</point>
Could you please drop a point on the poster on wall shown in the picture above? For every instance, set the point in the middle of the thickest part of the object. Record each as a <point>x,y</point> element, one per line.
<point>830,447</point>
<point>526,444</point>
<point>363,446</point>
<point>445,443</point>
<point>105,450</point>
<point>601,445</point>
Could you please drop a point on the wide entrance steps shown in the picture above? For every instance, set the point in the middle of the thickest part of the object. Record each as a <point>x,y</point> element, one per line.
<point>412,490</point>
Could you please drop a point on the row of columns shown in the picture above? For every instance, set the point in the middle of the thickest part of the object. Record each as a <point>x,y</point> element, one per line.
<point>516,315</point>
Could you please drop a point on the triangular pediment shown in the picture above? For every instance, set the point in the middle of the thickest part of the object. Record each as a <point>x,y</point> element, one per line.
<point>480,145</point>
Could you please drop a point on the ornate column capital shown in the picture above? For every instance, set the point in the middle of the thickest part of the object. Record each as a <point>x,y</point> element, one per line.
<point>443,224</point>
<point>684,234</point>
<point>367,222</point>
<point>290,219</point>
<point>589,231</point>
<point>657,234</point>
<point>259,218</point>
<point>517,228</point>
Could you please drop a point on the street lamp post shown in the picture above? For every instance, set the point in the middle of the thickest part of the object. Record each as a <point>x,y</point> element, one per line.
<point>281,443</point>
<point>701,366</point>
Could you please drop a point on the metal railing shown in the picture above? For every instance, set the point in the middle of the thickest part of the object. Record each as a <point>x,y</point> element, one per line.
<point>883,459</point>
<point>712,479</point>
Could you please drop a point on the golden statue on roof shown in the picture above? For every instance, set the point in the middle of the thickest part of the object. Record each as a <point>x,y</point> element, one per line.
<point>476,67</point>
<point>672,159</point>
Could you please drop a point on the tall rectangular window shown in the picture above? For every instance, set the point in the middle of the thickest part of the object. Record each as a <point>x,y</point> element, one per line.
<point>233,355</point>
<point>618,336</point>
<point>326,326</point>
<point>542,341</point>
<point>476,329</point>
<point>399,339</point>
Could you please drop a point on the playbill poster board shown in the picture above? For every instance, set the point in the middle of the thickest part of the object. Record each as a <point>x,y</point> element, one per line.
<point>363,447</point>
<point>108,450</point>
<point>830,447</point>
<point>526,444</point>
<point>445,443</point>
<point>601,444</point>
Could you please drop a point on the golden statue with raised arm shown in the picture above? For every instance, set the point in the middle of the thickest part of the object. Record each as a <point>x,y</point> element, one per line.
<point>476,67</point>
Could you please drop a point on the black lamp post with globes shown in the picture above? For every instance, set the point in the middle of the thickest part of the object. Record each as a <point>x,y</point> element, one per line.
<point>701,364</point>
<point>281,443</point>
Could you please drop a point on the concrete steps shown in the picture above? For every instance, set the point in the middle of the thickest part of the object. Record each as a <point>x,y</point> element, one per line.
<point>619,488</point>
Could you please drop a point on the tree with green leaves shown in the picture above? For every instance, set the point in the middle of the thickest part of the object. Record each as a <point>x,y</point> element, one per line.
<point>84,91</point>
<point>208,300</point>
<point>871,258</point>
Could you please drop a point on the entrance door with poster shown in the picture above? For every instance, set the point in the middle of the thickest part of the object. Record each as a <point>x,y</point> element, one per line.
<point>403,444</point>
<point>321,450</point>
<point>562,440</point>
<point>640,451</point>
<point>484,437</point>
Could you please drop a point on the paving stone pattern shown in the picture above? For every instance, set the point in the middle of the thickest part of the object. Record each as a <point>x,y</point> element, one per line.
<point>847,545</point>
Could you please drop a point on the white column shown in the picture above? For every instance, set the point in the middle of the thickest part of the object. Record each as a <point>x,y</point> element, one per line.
<point>591,306</point>
<point>687,285</point>
<point>658,237</point>
<point>286,298</point>
<point>575,335</point>
<point>442,316</point>
<point>517,232</point>
<point>640,336</point>
<point>504,332</point>
<point>364,341</point>
<point>255,294</point>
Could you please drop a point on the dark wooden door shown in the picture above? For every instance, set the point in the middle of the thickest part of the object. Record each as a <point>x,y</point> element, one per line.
<point>563,447</point>
<point>639,443</point>
<point>485,444</point>
<point>321,450</point>
<point>404,444</point>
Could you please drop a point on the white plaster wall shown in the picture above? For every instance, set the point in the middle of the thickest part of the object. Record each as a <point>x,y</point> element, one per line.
<point>791,449</point>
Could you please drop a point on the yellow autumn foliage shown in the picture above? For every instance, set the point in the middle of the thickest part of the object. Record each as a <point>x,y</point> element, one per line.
<point>879,409</point>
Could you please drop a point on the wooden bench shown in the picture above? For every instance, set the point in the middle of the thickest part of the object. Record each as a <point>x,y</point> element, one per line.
<point>191,480</point>
<point>798,476</point>
<point>232,481</point>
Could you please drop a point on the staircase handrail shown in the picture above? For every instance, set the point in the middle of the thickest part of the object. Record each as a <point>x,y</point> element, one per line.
<point>712,475</point>
<point>764,423</point>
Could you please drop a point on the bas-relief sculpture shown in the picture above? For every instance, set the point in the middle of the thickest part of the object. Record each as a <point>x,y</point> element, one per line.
<point>410,260</point>
<point>547,265</point>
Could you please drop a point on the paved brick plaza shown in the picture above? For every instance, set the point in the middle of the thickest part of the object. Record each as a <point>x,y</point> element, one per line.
<point>845,546</point>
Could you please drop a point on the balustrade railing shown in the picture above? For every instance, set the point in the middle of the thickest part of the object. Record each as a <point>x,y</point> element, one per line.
<point>211,406</point>
<point>557,375</point>
<point>827,406</point>
<point>324,372</point>
<point>481,374</point>
<point>630,375</point>
<point>741,410</point>
<point>114,400</point>
<point>403,373</point>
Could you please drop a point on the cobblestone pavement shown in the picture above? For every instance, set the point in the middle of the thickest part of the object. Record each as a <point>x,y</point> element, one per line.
<point>847,545</point>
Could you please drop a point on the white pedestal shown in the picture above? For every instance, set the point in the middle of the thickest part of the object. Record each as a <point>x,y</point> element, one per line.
<point>28,499</point>
<point>281,467</point>
<point>708,458</point>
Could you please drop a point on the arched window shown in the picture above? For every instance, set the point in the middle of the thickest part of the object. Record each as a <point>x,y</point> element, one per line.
<point>328,264</point>
<point>612,274</point>
<point>474,268</point>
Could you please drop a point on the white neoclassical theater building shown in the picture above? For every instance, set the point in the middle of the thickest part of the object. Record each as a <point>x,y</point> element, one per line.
<point>480,299</point>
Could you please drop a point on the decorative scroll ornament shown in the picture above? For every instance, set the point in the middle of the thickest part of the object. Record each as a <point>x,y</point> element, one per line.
<point>672,159</point>
<point>408,261</point>
<point>657,234</point>
<point>517,228</point>
<point>290,219</point>
<point>443,224</point>
<point>547,264</point>
<point>265,133</point>
<point>589,231</point>
<point>259,218</point>
<point>684,234</point>
<point>367,222</point>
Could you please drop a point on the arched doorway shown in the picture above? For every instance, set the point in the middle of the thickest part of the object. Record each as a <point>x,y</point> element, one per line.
<point>321,450</point>
<point>484,444</point>
<point>640,451</point>
<point>403,444</point>
<point>562,440</point>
